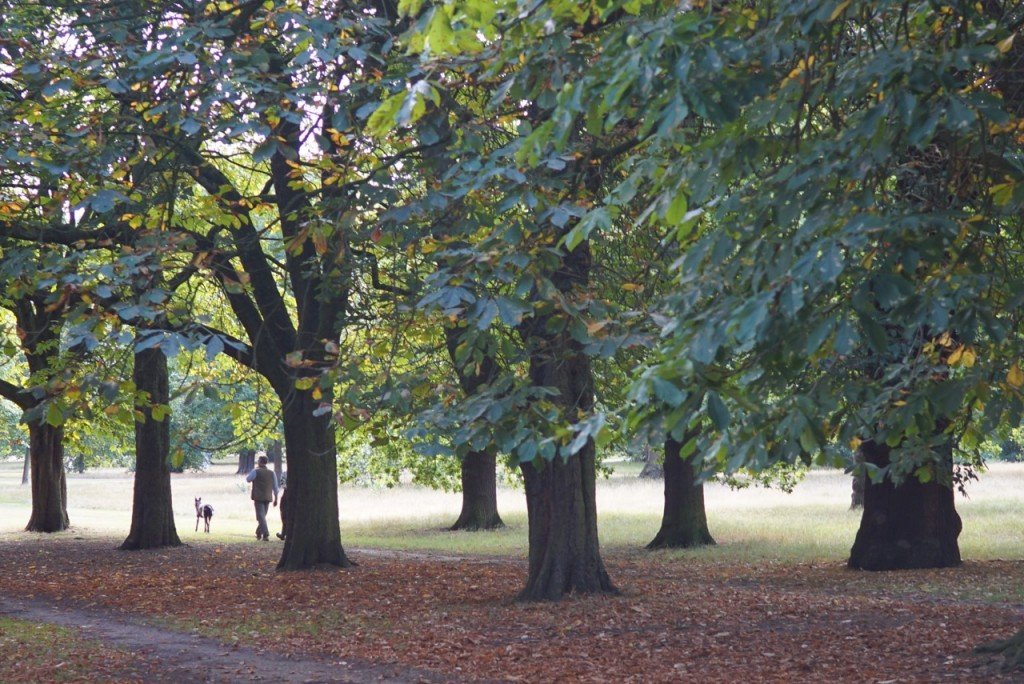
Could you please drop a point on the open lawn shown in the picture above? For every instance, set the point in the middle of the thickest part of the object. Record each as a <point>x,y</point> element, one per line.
<point>772,602</point>
<point>813,523</point>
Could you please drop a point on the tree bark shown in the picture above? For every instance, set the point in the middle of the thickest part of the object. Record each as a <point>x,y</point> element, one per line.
<point>152,510</point>
<point>479,493</point>
<point>25,468</point>
<point>246,461</point>
<point>275,454</point>
<point>479,479</point>
<point>49,483</point>
<point>560,494</point>
<point>684,523</point>
<point>913,525</point>
<point>564,553</point>
<point>312,531</point>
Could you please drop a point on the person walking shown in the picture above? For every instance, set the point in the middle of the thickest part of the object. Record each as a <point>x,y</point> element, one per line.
<point>264,490</point>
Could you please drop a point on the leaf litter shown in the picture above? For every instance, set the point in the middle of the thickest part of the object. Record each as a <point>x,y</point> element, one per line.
<point>445,618</point>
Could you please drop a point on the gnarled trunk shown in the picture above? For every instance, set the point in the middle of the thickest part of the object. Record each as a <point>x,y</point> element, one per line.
<point>152,511</point>
<point>684,523</point>
<point>312,531</point>
<point>913,525</point>
<point>49,482</point>
<point>479,493</point>
<point>560,494</point>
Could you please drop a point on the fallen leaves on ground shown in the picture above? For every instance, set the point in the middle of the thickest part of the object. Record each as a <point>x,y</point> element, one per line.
<point>677,618</point>
<point>31,652</point>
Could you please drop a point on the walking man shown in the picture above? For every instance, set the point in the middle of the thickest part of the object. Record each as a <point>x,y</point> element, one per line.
<point>264,490</point>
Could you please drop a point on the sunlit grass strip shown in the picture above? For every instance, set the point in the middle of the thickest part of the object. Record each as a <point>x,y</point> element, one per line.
<point>811,524</point>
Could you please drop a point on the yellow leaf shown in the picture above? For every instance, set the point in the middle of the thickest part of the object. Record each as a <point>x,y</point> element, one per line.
<point>316,393</point>
<point>969,357</point>
<point>954,358</point>
<point>319,242</point>
<point>1015,376</point>
<point>855,443</point>
<point>1004,45</point>
<point>632,287</point>
<point>840,8</point>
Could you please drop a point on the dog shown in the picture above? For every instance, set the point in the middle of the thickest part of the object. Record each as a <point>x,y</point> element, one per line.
<point>203,512</point>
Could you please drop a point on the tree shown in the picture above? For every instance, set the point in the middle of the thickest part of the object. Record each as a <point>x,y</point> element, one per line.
<point>39,326</point>
<point>684,523</point>
<point>479,466</point>
<point>822,303</point>
<point>152,513</point>
<point>246,461</point>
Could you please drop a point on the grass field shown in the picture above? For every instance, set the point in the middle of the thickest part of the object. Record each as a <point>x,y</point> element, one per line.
<point>812,523</point>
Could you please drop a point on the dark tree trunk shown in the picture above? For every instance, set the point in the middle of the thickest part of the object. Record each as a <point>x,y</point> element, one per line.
<point>913,525</point>
<point>479,493</point>
<point>652,469</point>
<point>312,532</point>
<point>25,468</point>
<point>49,483</point>
<point>152,511</point>
<point>564,553</point>
<point>275,454</point>
<point>560,494</point>
<point>246,461</point>
<point>685,522</point>
<point>479,479</point>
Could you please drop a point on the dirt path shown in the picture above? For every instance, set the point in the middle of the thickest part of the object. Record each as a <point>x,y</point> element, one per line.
<point>174,656</point>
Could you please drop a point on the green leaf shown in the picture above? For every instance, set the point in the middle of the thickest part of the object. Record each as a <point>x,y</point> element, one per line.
<point>718,411</point>
<point>676,209</point>
<point>668,392</point>
<point>385,117</point>
<point>54,416</point>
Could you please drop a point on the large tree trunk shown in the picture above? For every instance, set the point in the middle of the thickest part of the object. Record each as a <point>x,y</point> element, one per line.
<point>49,483</point>
<point>564,553</point>
<point>312,532</point>
<point>684,523</point>
<point>913,525</point>
<point>246,461</point>
<point>25,468</point>
<point>560,494</point>
<point>152,511</point>
<point>479,493</point>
